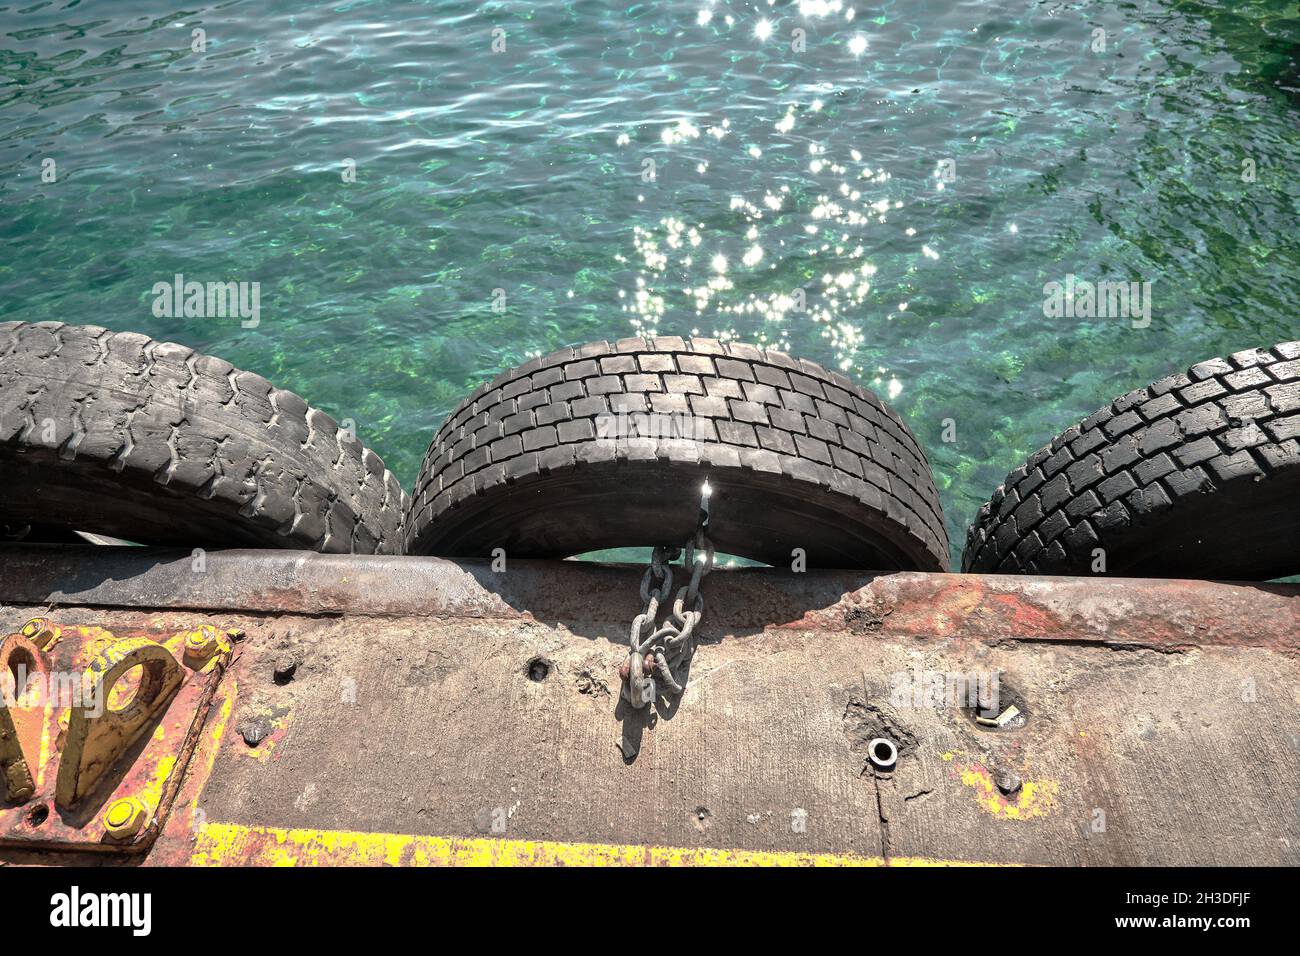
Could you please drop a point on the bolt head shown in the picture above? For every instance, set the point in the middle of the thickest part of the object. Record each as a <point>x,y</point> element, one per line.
<point>125,818</point>
<point>201,638</point>
<point>201,643</point>
<point>40,632</point>
<point>1007,782</point>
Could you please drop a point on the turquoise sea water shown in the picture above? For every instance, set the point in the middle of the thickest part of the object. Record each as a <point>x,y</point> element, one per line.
<point>919,169</point>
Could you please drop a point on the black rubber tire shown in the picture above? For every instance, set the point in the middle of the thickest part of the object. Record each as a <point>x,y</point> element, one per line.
<point>798,457</point>
<point>149,441</point>
<point>1197,475</point>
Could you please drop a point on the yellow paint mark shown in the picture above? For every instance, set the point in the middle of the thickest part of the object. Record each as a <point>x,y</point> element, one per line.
<point>47,742</point>
<point>94,641</point>
<point>152,790</point>
<point>225,844</point>
<point>1035,798</point>
<point>204,758</point>
<point>214,732</point>
<point>927,861</point>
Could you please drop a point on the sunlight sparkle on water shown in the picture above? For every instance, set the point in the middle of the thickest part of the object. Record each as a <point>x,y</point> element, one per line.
<point>819,8</point>
<point>752,279</point>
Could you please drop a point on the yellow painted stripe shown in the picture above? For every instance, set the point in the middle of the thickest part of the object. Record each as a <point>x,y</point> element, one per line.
<point>227,844</point>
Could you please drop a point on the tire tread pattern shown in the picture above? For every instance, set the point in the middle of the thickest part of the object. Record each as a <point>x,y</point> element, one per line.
<point>178,424</point>
<point>1132,461</point>
<point>759,408</point>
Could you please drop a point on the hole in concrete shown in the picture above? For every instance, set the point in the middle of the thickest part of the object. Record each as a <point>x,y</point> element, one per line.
<point>701,818</point>
<point>538,669</point>
<point>37,815</point>
<point>1001,706</point>
<point>284,671</point>
<point>865,723</point>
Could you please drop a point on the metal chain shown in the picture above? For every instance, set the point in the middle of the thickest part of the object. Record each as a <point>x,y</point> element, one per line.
<point>661,653</point>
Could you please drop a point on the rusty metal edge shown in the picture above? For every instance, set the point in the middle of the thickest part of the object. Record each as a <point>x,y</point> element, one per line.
<point>1167,615</point>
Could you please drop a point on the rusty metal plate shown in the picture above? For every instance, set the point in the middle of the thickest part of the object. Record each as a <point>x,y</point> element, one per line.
<point>97,729</point>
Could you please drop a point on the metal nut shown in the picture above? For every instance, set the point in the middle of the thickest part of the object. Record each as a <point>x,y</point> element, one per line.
<point>125,818</point>
<point>200,644</point>
<point>882,753</point>
<point>41,632</point>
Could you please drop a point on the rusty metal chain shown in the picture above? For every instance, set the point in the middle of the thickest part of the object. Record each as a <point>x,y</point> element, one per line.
<point>668,645</point>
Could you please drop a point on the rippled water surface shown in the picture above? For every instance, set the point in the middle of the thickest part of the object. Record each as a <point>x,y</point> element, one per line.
<point>775,169</point>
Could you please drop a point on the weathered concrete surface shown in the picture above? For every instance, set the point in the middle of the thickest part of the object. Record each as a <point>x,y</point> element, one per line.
<point>1163,716</point>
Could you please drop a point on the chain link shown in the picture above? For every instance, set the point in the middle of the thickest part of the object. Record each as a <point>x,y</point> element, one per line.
<point>656,658</point>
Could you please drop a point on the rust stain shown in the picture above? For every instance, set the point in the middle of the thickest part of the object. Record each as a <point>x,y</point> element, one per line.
<point>1025,617</point>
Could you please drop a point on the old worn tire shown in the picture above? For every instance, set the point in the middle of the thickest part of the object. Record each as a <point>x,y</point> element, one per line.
<point>152,442</point>
<point>798,457</point>
<point>1197,475</point>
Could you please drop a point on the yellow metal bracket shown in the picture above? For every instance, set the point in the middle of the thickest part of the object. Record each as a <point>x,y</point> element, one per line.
<point>97,733</point>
